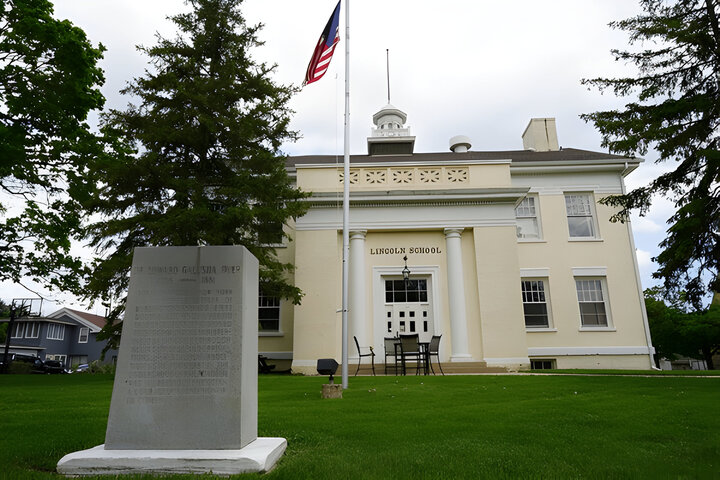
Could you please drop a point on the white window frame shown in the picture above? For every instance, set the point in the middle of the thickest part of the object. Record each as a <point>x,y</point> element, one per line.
<point>60,358</point>
<point>592,214</point>
<point>55,331</point>
<point>546,295</point>
<point>602,281</point>
<point>534,199</point>
<point>32,330</point>
<point>18,330</point>
<point>84,332</point>
<point>270,333</point>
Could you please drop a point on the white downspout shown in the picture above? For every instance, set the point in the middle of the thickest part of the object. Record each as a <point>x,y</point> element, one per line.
<point>648,338</point>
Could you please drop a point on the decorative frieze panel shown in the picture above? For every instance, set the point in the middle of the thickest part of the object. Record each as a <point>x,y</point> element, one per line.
<point>426,175</point>
<point>457,175</point>
<point>402,176</point>
<point>354,177</point>
<point>407,176</point>
<point>375,177</point>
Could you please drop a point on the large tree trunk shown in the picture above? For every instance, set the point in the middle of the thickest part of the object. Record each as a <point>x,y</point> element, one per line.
<point>708,357</point>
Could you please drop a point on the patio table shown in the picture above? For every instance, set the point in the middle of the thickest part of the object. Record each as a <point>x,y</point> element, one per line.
<point>424,349</point>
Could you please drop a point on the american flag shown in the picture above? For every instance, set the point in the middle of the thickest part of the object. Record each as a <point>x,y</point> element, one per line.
<point>323,53</point>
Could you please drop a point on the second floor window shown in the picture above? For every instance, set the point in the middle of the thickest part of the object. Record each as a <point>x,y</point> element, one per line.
<point>527,219</point>
<point>84,334</point>
<point>32,330</point>
<point>18,330</point>
<point>580,215</point>
<point>55,331</point>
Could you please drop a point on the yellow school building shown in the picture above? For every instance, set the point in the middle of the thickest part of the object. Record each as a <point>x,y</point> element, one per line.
<point>512,257</point>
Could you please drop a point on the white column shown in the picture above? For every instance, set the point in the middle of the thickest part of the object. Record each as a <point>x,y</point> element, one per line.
<point>456,296</point>
<point>356,305</point>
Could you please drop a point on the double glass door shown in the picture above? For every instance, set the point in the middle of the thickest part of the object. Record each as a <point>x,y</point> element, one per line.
<point>408,308</point>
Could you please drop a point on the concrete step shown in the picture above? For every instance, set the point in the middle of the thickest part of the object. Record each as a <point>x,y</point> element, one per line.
<point>447,368</point>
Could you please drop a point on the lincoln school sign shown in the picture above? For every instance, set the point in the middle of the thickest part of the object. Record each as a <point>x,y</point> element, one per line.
<point>405,251</point>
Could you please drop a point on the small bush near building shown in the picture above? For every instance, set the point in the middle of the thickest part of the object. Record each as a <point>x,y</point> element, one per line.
<point>19,368</point>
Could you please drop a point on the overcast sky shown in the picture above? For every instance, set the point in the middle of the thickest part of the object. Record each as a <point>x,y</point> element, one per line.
<point>467,67</point>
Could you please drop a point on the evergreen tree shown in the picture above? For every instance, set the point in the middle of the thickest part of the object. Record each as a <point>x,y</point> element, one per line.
<point>677,111</point>
<point>198,160</point>
<point>49,81</point>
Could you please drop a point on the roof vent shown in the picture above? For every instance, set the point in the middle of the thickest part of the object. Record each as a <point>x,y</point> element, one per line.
<point>460,144</point>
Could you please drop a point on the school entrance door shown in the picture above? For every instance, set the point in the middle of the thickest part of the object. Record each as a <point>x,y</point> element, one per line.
<point>408,307</point>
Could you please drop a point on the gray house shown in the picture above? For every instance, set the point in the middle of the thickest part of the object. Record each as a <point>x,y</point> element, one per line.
<point>65,335</point>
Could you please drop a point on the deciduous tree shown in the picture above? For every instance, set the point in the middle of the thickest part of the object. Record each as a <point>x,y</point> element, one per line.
<point>4,313</point>
<point>694,334</point>
<point>49,81</point>
<point>199,162</point>
<point>676,110</point>
<point>704,332</point>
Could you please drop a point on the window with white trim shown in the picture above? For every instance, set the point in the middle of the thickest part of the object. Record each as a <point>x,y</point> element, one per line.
<point>60,358</point>
<point>268,313</point>
<point>591,294</point>
<point>18,330</point>
<point>32,330</point>
<point>535,303</point>
<point>56,331</point>
<point>526,216</point>
<point>581,222</point>
<point>84,334</point>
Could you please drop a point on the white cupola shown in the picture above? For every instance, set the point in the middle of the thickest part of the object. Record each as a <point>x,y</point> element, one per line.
<point>390,135</point>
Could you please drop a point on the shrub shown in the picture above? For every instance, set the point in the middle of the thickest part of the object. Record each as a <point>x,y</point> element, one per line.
<point>101,368</point>
<point>20,368</point>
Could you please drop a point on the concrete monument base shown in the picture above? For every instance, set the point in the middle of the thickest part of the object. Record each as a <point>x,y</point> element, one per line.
<point>332,390</point>
<point>259,455</point>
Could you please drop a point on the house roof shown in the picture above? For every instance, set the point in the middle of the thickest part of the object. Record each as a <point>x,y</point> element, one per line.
<point>94,322</point>
<point>516,156</point>
<point>95,319</point>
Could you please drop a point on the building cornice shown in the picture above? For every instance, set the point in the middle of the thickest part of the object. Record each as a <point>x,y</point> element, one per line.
<point>575,166</point>
<point>409,163</point>
<point>469,196</point>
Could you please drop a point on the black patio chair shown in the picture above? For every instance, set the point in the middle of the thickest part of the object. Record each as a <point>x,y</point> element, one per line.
<point>410,350</point>
<point>434,349</point>
<point>391,350</point>
<point>263,366</point>
<point>361,355</point>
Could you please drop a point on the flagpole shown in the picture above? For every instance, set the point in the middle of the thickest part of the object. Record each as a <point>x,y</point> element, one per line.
<point>346,203</point>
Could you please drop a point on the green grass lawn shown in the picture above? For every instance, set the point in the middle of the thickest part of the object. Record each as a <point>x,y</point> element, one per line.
<point>674,373</point>
<point>416,427</point>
